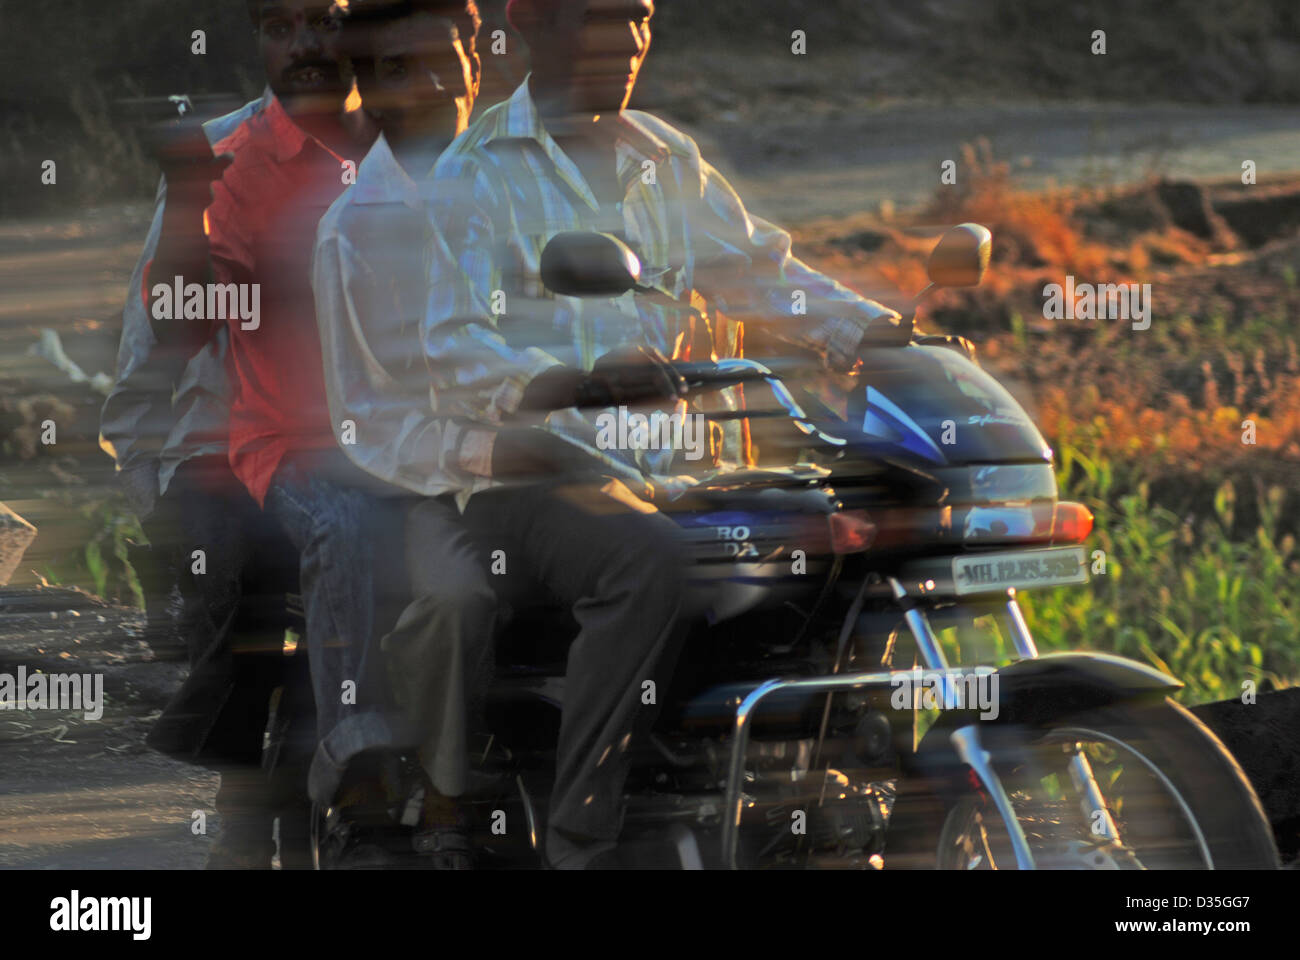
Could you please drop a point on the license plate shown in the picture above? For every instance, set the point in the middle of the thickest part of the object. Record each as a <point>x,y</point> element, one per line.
<point>1021,569</point>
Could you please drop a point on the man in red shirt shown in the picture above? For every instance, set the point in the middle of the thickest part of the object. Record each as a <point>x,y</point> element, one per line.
<point>261,229</point>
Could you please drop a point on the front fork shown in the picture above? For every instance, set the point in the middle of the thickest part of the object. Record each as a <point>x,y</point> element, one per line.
<point>965,740</point>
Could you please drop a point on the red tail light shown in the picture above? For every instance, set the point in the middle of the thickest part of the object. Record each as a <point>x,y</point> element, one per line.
<point>852,531</point>
<point>1071,523</point>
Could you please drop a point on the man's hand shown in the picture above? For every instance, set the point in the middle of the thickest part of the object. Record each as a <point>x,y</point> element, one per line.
<point>627,376</point>
<point>889,330</point>
<point>631,375</point>
<point>182,150</point>
<point>140,484</point>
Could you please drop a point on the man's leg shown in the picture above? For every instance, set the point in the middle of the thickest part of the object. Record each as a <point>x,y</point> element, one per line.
<point>218,717</point>
<point>439,659</point>
<point>617,561</point>
<point>440,653</point>
<point>339,530</point>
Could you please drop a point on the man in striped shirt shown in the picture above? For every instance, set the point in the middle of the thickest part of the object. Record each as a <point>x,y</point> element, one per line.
<point>565,154</point>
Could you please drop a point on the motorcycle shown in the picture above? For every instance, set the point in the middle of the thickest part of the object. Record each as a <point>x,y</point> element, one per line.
<point>819,716</point>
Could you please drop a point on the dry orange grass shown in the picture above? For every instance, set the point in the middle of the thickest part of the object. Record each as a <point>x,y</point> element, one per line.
<point>1171,398</point>
<point>1030,229</point>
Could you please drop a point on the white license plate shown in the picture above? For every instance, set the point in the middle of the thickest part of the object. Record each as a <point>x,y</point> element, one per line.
<point>1021,569</point>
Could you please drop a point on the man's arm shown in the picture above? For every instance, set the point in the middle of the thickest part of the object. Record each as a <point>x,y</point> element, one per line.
<point>745,265</point>
<point>425,423</point>
<point>470,362</point>
<point>137,413</point>
<point>194,176</point>
<point>138,420</point>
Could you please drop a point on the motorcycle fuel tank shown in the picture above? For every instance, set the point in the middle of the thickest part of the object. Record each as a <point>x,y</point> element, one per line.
<point>934,406</point>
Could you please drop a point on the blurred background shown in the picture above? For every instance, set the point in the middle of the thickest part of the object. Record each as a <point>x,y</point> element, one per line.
<point>1122,167</point>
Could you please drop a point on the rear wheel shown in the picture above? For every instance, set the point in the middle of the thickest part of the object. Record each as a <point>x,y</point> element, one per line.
<point>1168,788</point>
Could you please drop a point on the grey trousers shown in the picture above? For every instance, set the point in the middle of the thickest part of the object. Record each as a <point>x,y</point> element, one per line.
<point>439,655</point>
<point>616,561</point>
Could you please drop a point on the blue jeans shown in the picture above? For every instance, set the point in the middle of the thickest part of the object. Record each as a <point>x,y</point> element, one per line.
<point>353,587</point>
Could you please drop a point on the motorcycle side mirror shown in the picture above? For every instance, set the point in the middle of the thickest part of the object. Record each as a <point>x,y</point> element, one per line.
<point>961,256</point>
<point>589,265</point>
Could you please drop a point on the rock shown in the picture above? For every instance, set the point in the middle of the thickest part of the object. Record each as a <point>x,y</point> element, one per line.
<point>1189,208</point>
<point>16,535</point>
<point>1262,736</point>
<point>22,421</point>
<point>1260,214</point>
<point>1130,213</point>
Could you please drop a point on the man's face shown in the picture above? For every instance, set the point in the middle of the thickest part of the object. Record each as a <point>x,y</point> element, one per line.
<point>298,41</point>
<point>592,53</point>
<point>423,82</point>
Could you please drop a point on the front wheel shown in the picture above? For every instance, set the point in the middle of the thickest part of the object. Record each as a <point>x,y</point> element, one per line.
<point>1169,796</point>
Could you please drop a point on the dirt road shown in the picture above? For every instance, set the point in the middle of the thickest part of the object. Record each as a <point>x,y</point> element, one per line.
<point>815,164</point>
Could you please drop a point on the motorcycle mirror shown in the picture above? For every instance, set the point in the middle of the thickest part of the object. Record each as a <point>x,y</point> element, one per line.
<point>589,265</point>
<point>961,256</point>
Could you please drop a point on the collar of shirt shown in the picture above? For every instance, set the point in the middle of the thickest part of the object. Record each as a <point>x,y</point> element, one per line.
<point>634,143</point>
<point>381,179</point>
<point>287,137</point>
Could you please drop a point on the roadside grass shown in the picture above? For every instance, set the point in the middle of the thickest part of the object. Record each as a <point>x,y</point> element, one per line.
<point>101,564</point>
<point>1178,592</point>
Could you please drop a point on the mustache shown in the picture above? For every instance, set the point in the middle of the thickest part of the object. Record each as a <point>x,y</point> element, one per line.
<point>327,67</point>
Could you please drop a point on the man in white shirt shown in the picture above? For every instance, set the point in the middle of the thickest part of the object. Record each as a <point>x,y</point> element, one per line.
<point>418,75</point>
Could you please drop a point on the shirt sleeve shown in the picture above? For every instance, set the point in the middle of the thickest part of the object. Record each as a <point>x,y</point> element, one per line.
<point>136,415</point>
<point>472,366</point>
<point>745,265</point>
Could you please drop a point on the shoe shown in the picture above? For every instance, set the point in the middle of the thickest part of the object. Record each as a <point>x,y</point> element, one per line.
<point>362,830</point>
<point>444,848</point>
<point>591,855</point>
<point>351,844</point>
<point>441,836</point>
<point>240,857</point>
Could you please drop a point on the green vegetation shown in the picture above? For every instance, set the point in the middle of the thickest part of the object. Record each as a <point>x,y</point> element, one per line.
<point>1178,593</point>
<point>101,564</point>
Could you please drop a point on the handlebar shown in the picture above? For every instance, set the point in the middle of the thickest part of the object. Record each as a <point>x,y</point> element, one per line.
<point>703,377</point>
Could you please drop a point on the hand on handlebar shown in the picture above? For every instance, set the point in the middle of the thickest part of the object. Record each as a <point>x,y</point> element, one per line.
<point>631,375</point>
<point>626,376</point>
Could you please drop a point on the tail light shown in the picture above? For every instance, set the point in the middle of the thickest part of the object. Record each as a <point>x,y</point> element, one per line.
<point>1071,523</point>
<point>852,531</point>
